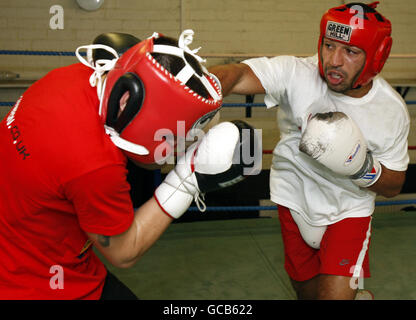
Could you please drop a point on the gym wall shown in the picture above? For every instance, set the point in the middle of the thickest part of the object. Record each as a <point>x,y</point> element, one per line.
<point>222,27</point>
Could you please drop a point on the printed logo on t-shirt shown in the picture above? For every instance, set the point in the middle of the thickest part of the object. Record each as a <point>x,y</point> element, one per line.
<point>338,31</point>
<point>15,131</point>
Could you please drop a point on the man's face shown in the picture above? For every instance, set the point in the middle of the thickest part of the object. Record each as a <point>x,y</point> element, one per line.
<point>342,64</point>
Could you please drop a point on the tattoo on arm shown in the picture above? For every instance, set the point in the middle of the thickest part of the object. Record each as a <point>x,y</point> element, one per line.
<point>104,241</point>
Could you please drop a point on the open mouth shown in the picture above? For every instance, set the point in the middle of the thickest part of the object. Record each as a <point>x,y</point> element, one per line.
<point>335,77</point>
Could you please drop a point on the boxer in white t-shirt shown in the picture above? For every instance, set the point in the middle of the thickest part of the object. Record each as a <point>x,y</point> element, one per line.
<point>343,140</point>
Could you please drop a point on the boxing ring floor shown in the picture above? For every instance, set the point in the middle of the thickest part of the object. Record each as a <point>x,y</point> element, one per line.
<point>242,259</point>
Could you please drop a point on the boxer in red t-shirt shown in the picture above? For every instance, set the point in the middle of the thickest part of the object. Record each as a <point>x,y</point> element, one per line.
<point>64,148</point>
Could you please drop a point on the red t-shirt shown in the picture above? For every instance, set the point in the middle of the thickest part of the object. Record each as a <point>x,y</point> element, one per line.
<point>61,177</point>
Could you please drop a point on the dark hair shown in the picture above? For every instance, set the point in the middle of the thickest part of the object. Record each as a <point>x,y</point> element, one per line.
<point>121,42</point>
<point>175,64</point>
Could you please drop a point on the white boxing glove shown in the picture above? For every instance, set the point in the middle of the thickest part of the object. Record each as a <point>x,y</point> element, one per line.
<point>208,165</point>
<point>334,140</point>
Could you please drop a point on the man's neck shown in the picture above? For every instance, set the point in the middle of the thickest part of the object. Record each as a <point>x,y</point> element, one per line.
<point>359,92</point>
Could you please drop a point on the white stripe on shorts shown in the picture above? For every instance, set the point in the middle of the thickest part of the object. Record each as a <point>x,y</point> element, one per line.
<point>358,265</point>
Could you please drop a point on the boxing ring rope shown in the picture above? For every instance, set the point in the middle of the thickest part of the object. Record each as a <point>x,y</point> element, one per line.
<point>258,55</point>
<point>207,55</point>
<point>265,208</point>
<point>39,53</point>
<point>229,105</point>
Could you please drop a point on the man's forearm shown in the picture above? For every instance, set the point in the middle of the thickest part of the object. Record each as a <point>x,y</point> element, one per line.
<point>229,76</point>
<point>237,78</point>
<point>123,250</point>
<point>149,224</point>
<point>390,183</point>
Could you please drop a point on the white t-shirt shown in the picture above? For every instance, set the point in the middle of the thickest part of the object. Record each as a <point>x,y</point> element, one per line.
<point>298,181</point>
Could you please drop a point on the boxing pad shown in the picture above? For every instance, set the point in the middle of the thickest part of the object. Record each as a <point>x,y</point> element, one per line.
<point>211,164</point>
<point>120,42</point>
<point>334,140</point>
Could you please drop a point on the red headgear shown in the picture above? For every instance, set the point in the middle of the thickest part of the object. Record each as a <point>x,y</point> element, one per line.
<point>360,25</point>
<point>158,104</point>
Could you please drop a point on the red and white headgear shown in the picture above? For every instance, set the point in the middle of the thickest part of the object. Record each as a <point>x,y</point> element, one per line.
<point>360,25</point>
<point>157,99</point>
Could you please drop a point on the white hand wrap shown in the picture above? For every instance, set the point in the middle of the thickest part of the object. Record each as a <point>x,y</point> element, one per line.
<point>334,140</point>
<point>369,173</point>
<point>175,194</point>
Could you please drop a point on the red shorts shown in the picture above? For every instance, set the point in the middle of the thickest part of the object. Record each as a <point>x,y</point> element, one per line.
<point>343,250</point>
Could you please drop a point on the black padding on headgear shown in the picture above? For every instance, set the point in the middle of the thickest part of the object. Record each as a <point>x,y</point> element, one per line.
<point>379,17</point>
<point>121,42</point>
<point>129,82</point>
